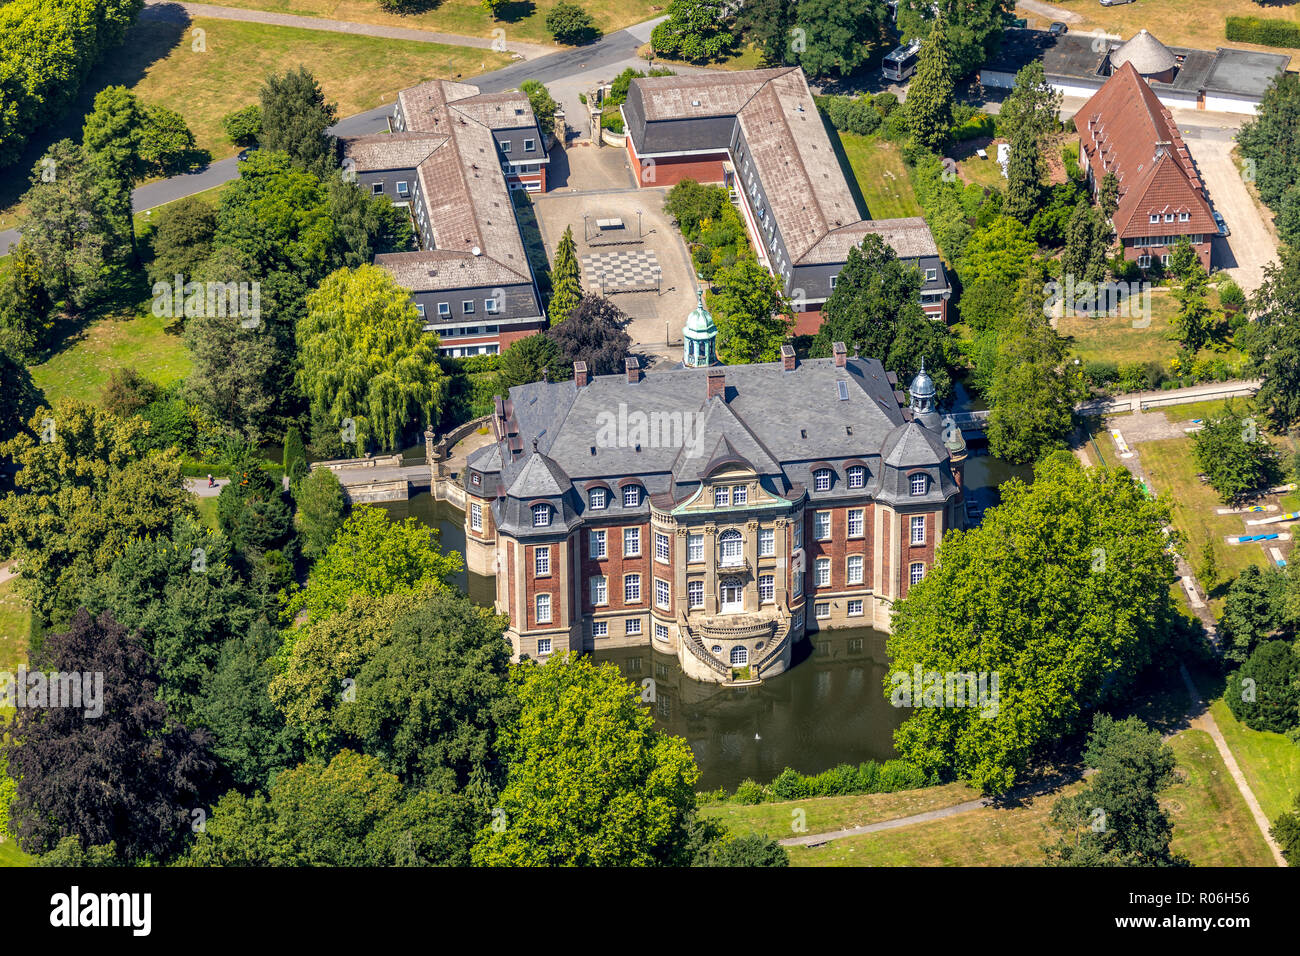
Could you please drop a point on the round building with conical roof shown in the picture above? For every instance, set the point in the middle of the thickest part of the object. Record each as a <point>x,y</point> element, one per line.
<point>1149,57</point>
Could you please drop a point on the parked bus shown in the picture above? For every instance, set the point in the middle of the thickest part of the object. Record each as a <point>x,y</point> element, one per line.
<point>901,63</point>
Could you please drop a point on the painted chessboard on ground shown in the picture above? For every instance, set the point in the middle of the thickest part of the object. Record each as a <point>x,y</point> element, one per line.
<point>628,271</point>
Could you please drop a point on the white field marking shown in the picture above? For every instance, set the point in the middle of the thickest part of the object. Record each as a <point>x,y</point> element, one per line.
<point>1191,593</point>
<point>1277,557</point>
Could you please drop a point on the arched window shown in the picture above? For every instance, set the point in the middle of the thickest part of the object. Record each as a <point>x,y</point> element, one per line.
<point>731,546</point>
<point>541,516</point>
<point>739,655</point>
<point>857,476</point>
<point>631,496</point>
<point>919,484</point>
<point>822,479</point>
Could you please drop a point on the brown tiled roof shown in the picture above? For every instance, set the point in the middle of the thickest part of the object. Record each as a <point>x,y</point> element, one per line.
<point>390,150</point>
<point>792,154</point>
<point>1137,140</point>
<point>471,216</point>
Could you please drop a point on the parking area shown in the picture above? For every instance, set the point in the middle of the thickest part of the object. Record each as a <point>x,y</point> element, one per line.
<point>599,186</point>
<point>1251,243</point>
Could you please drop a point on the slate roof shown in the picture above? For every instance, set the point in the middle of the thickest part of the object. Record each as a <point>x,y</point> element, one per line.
<point>390,150</point>
<point>1137,139</point>
<point>807,194</point>
<point>785,424</point>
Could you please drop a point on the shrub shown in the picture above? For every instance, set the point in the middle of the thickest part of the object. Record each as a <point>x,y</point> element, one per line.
<point>1271,701</point>
<point>898,775</point>
<point>837,111</point>
<point>976,126</point>
<point>612,120</point>
<point>750,792</point>
<point>885,103</point>
<point>244,126</point>
<point>1100,373</point>
<point>896,127</point>
<point>1265,32</point>
<point>571,24</point>
<point>1230,294</point>
<point>790,785</point>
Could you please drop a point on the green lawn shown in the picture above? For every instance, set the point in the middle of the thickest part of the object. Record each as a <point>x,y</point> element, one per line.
<point>1212,824</point>
<point>207,511</point>
<point>1172,469</point>
<point>520,19</point>
<point>1114,338</point>
<point>14,626</point>
<point>1270,762</point>
<point>149,342</point>
<point>877,165</point>
<point>824,814</point>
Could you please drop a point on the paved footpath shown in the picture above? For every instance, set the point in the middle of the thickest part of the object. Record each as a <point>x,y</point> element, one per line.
<point>171,11</point>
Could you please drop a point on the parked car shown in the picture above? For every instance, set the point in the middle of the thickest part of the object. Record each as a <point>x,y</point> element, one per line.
<point>1113,3</point>
<point>1058,29</point>
<point>1218,221</point>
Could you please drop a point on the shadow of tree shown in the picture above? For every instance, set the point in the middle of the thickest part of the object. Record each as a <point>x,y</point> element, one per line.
<point>515,10</point>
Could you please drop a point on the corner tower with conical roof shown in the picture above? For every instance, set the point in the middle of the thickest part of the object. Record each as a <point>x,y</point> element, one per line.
<point>699,336</point>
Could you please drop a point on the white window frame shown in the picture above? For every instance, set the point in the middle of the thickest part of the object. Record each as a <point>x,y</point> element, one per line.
<point>766,588</point>
<point>821,609</point>
<point>632,588</point>
<point>918,484</point>
<point>766,542</point>
<point>855,607</point>
<point>916,572</point>
<point>822,573</point>
<point>728,541</point>
<point>541,516</point>
<point>632,496</point>
<point>855,560</point>
<point>466,306</point>
<point>599,591</point>
<point>721,496</point>
<point>596,543</point>
<point>694,548</point>
<point>475,516</point>
<point>740,495</point>
<point>542,561</point>
<point>857,476</point>
<point>530,145</point>
<point>917,525</point>
<point>600,628</point>
<point>632,540</point>
<point>661,631</point>
<point>821,525</point>
<point>663,594</point>
<point>543,646</point>
<point>595,495</point>
<point>632,627</point>
<point>540,601</point>
<point>403,188</point>
<point>444,309</point>
<point>694,594</point>
<point>822,479</point>
<point>663,548</point>
<point>856,522</point>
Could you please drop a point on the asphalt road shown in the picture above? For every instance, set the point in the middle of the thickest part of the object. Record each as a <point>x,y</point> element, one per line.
<point>556,66</point>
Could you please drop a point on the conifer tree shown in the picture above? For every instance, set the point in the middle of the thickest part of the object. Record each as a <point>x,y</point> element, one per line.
<point>929,97</point>
<point>566,285</point>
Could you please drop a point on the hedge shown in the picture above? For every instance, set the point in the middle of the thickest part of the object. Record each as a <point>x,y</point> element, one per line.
<point>1265,32</point>
<point>843,780</point>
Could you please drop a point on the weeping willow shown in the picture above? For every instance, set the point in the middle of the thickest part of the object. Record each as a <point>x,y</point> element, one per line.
<point>365,356</point>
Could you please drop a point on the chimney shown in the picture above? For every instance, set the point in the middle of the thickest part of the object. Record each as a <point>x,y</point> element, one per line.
<point>788,361</point>
<point>580,373</point>
<point>840,353</point>
<point>717,384</point>
<point>633,366</point>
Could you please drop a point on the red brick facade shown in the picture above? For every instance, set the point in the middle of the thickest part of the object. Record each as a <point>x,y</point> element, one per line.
<point>671,170</point>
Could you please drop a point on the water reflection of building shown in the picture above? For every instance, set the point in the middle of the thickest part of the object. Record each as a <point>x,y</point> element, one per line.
<point>719,514</point>
<point>829,709</point>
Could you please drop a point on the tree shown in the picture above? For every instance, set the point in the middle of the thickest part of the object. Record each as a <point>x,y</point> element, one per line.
<point>233,379</point>
<point>366,357</point>
<point>113,141</point>
<point>251,510</point>
<point>1032,395</point>
<point>82,494</point>
<point>1117,820</point>
<point>753,315</point>
<point>690,204</point>
<point>1086,240</point>
<point>1272,341</point>
<point>837,36</point>
<point>243,126</point>
<point>295,118</point>
<point>875,307</point>
<point>1253,611</point>
<point>1062,591</point>
<point>1108,195</point>
<point>572,24</point>
<point>1194,320</point>
<point>695,30</point>
<point>295,455</point>
<point>529,358</point>
<point>999,253</point>
<point>929,96</point>
<point>374,555</point>
<point>21,401</point>
<point>1183,258</point>
<point>1032,103</point>
<point>1286,831</point>
<point>1207,569</point>
<point>182,241</point>
<point>594,333</point>
<point>752,849</point>
<point>590,782</point>
<point>322,506</point>
<point>767,26</point>
<point>119,769</point>
<point>491,7</point>
<point>74,229</point>
<point>1264,693</point>
<point>1025,173</point>
<point>544,107</point>
<point>1236,458</point>
<point>1270,143</point>
<point>26,309</point>
<point>566,283</point>
<point>166,143</point>
<point>974,27</point>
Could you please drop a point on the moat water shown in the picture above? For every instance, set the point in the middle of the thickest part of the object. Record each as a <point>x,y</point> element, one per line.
<point>828,708</point>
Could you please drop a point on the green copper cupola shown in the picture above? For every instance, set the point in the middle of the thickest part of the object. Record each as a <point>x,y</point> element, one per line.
<point>698,336</point>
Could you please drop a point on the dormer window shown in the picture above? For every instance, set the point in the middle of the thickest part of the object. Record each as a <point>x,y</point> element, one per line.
<point>598,498</point>
<point>822,479</point>
<point>631,496</point>
<point>919,484</point>
<point>857,476</point>
<point>1169,217</point>
<point>1155,217</point>
<point>541,516</point>
<point>1184,216</point>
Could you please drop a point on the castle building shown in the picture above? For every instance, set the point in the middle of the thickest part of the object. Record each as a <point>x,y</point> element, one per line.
<point>719,513</point>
